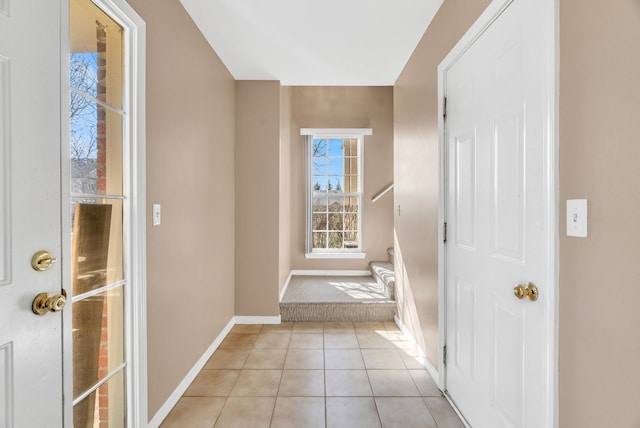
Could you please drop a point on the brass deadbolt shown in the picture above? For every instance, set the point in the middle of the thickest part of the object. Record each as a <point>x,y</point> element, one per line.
<point>42,260</point>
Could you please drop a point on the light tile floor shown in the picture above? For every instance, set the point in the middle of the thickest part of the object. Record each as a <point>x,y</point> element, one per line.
<point>306,375</point>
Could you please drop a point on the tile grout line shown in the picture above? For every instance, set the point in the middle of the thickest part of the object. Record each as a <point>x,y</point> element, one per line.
<point>366,370</point>
<point>324,377</point>
<point>275,401</point>
<point>226,399</point>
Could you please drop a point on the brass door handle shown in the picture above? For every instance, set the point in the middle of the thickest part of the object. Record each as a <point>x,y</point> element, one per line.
<point>44,302</point>
<point>42,260</point>
<point>518,291</point>
<point>530,291</point>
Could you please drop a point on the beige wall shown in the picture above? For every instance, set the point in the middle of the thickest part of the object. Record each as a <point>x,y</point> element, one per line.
<point>599,161</point>
<point>190,171</point>
<point>285,186</point>
<point>344,107</point>
<point>416,172</point>
<point>257,197</point>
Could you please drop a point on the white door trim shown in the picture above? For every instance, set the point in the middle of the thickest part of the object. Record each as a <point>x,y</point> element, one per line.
<point>65,217</point>
<point>134,139</point>
<point>552,172</point>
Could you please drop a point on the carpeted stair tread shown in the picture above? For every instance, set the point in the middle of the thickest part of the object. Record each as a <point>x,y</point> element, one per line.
<point>333,289</point>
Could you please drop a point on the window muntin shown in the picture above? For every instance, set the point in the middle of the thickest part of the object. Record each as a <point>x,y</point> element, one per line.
<point>335,188</point>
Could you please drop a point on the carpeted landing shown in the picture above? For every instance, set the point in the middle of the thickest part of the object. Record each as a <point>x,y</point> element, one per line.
<point>337,298</point>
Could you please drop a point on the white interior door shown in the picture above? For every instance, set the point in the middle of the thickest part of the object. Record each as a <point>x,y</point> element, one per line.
<point>498,210</point>
<point>30,345</point>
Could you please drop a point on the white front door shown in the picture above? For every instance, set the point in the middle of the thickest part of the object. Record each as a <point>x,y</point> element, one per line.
<point>30,85</point>
<point>499,198</point>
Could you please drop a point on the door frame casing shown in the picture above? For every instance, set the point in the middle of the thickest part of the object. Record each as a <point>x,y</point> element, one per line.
<point>484,21</point>
<point>134,140</point>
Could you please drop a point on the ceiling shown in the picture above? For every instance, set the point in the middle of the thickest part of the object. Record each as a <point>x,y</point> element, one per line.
<point>304,42</point>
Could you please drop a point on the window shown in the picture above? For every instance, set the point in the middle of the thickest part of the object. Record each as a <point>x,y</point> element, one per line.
<point>334,192</point>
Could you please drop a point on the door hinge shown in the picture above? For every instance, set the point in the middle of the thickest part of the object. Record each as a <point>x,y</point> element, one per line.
<point>444,355</point>
<point>444,232</point>
<point>444,108</point>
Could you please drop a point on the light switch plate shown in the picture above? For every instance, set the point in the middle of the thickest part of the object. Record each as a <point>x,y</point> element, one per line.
<point>577,218</point>
<point>157,214</point>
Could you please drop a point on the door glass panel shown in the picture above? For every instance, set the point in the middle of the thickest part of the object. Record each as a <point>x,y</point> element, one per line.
<point>96,53</point>
<point>96,148</point>
<point>98,342</point>
<point>104,407</point>
<point>98,202</point>
<point>97,253</point>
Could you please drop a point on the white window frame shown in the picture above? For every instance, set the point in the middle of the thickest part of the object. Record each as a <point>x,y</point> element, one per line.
<point>333,133</point>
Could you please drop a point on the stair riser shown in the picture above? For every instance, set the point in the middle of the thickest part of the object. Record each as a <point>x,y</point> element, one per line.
<point>388,288</point>
<point>338,312</point>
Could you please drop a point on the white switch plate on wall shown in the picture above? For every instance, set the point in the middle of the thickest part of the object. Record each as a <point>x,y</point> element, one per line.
<point>157,214</point>
<point>577,217</point>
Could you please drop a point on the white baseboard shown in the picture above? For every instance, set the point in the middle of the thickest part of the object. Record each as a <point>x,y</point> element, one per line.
<point>164,410</point>
<point>286,285</point>
<point>257,320</point>
<point>455,409</point>
<point>331,272</point>
<point>421,355</point>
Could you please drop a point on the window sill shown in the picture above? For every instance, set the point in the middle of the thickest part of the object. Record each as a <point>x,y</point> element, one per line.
<point>335,255</point>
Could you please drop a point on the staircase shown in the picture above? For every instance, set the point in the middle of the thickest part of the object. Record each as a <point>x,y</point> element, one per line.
<point>384,274</point>
<point>342,298</point>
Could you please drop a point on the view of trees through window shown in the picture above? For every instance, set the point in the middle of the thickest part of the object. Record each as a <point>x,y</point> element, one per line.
<point>83,114</point>
<point>336,193</point>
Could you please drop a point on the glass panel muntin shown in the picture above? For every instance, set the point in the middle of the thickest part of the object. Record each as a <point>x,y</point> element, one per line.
<point>107,309</point>
<point>113,389</point>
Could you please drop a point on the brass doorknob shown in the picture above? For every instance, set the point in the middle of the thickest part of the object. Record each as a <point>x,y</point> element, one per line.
<point>518,291</point>
<point>42,260</point>
<point>530,291</point>
<point>44,302</point>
